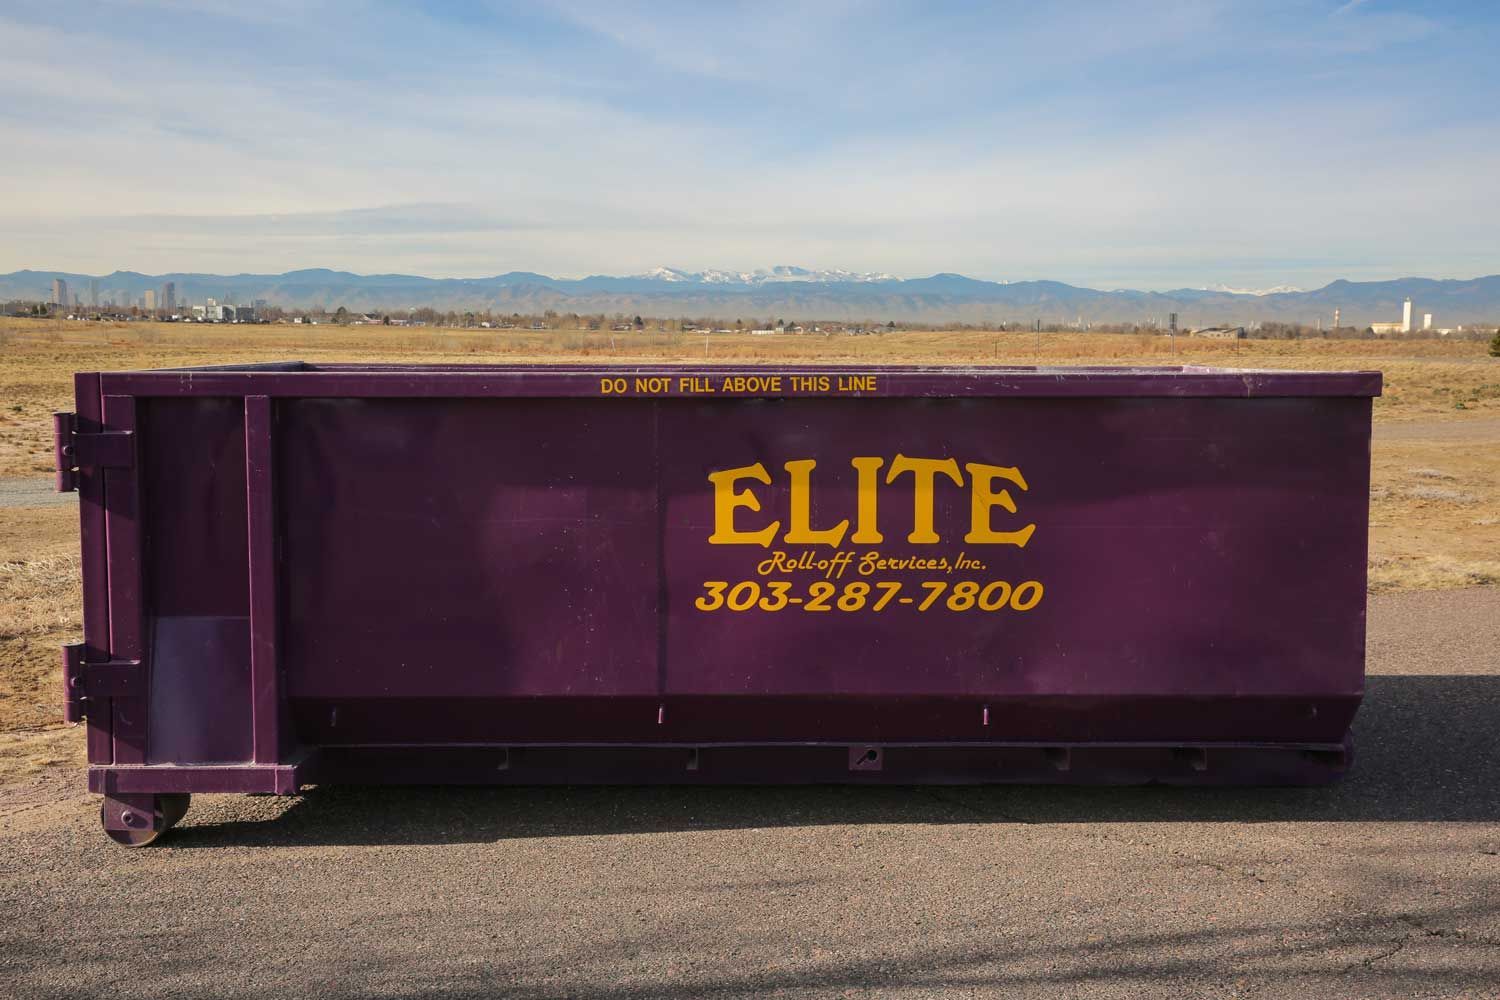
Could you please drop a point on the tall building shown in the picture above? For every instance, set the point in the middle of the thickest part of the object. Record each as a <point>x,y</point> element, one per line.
<point>1335,319</point>
<point>1427,321</point>
<point>94,293</point>
<point>1406,316</point>
<point>150,300</point>
<point>59,292</point>
<point>169,296</point>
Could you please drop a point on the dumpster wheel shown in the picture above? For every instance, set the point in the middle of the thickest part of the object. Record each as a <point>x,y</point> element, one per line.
<point>166,812</point>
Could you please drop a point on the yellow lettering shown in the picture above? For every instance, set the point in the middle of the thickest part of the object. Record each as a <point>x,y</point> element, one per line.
<point>923,471</point>
<point>868,531</point>
<point>984,498</point>
<point>800,531</point>
<point>727,501</point>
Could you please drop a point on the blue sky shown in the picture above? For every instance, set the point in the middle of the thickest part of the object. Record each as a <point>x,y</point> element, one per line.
<point>1112,144</point>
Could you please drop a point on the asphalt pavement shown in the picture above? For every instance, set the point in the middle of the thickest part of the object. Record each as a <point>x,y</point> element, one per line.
<point>1387,884</point>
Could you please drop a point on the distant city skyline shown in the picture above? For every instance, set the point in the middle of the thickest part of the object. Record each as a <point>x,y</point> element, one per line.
<point>1443,305</point>
<point>1113,145</point>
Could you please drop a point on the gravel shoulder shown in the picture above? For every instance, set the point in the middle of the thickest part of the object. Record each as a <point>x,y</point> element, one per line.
<point>1385,885</point>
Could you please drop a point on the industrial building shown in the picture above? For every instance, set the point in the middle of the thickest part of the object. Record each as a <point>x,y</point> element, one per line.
<point>1405,326</point>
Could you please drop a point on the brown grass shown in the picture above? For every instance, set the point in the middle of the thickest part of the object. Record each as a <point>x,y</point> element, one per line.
<point>1423,378</point>
<point>1435,497</point>
<point>28,752</point>
<point>39,610</point>
<point>39,596</point>
<point>1393,573</point>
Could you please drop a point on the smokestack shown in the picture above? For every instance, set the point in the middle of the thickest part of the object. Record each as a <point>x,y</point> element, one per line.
<point>1406,316</point>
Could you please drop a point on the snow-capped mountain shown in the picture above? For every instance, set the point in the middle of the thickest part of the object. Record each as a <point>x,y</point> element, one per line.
<point>801,294</point>
<point>763,276</point>
<point>1273,290</point>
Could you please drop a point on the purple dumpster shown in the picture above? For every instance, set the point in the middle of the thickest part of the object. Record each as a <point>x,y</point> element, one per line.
<point>304,574</point>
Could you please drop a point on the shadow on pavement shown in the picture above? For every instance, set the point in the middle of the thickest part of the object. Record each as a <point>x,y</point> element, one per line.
<point>1427,749</point>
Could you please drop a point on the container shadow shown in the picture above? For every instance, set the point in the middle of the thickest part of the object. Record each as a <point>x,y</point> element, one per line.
<point>1427,749</point>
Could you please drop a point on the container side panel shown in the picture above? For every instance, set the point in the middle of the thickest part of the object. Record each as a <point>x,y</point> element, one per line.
<point>467,548</point>
<point>193,480</point>
<point>1186,549</point>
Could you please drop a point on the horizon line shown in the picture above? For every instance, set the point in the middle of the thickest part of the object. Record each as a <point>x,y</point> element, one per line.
<point>1221,288</point>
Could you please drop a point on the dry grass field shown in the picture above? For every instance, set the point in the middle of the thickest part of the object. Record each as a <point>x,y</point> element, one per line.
<point>1435,499</point>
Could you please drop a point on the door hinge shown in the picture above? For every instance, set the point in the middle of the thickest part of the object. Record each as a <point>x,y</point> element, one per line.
<point>83,680</point>
<point>73,450</point>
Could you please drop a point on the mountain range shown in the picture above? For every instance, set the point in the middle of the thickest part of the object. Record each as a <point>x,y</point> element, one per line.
<point>801,294</point>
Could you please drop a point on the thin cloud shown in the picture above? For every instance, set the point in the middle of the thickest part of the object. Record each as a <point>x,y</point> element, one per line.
<point>1127,140</point>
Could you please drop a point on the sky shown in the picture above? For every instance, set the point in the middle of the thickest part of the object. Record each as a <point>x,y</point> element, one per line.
<point>1109,144</point>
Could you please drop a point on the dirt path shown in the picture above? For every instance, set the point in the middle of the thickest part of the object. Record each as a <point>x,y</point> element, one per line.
<point>1386,885</point>
<point>1441,430</point>
<point>19,491</point>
